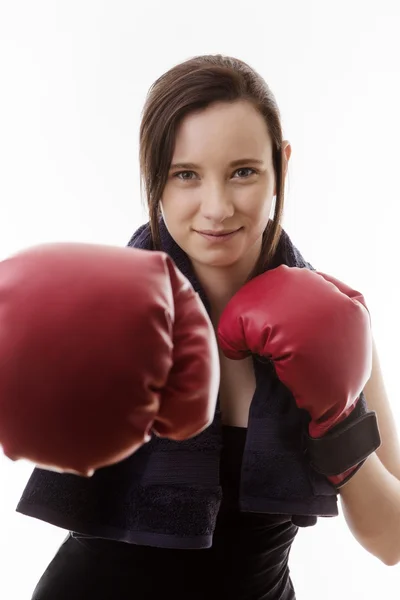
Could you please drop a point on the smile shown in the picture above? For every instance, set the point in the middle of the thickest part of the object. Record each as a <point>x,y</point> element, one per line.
<point>218,236</point>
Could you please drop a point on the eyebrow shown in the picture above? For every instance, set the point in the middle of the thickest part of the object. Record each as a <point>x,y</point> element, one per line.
<point>234,163</point>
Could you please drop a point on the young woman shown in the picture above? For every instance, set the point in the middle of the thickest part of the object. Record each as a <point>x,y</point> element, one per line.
<point>215,516</point>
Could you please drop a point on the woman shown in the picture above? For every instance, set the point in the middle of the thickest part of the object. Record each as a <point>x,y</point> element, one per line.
<point>215,516</point>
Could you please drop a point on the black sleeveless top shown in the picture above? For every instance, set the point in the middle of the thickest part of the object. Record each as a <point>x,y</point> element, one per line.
<point>248,558</point>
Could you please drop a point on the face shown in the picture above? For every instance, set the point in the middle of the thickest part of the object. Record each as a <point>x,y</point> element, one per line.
<point>217,200</point>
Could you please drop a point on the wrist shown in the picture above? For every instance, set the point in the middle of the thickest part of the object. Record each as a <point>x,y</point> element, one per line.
<point>341,451</point>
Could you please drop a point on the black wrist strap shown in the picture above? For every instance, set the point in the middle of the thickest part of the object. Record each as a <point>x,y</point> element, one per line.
<point>346,445</point>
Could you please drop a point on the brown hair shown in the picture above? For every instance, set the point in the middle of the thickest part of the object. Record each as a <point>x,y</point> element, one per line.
<point>194,85</point>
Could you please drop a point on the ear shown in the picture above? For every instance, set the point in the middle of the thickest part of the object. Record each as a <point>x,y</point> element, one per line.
<point>286,153</point>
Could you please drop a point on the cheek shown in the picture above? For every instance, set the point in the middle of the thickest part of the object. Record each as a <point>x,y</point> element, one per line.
<point>177,213</point>
<point>256,208</point>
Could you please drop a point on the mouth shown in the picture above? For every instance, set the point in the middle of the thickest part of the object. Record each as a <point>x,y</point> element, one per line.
<point>216,233</point>
<point>218,236</point>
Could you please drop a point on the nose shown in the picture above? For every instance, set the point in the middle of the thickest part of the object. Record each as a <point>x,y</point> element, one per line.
<point>216,205</point>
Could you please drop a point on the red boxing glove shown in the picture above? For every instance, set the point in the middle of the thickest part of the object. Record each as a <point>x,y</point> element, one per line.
<point>316,331</point>
<point>98,347</point>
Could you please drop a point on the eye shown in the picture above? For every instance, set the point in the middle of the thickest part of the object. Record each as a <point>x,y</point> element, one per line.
<point>245,170</point>
<point>182,175</point>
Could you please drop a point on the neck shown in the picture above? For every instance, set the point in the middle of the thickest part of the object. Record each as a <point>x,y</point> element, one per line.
<point>220,284</point>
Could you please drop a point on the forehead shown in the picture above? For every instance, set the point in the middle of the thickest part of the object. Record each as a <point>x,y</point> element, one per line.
<point>223,129</point>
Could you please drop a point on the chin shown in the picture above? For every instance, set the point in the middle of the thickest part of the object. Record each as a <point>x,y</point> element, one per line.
<point>243,259</point>
<point>218,262</point>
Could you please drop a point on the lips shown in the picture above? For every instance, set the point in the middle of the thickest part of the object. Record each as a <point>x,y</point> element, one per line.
<point>218,237</point>
<point>213,233</point>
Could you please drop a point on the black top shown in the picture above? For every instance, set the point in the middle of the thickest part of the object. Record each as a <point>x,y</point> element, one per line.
<point>250,550</point>
<point>248,558</point>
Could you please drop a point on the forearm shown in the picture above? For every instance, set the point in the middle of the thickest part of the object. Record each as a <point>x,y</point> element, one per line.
<point>371,506</point>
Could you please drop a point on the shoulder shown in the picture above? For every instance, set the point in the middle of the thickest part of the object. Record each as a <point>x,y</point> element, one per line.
<point>141,238</point>
<point>287,253</point>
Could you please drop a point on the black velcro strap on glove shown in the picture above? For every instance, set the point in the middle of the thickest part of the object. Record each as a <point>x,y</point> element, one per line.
<point>347,444</point>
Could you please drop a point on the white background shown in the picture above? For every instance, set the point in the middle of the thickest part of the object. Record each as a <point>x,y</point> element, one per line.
<point>73,77</point>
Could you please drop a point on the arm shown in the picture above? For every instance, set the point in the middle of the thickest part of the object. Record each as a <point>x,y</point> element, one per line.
<point>371,499</point>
